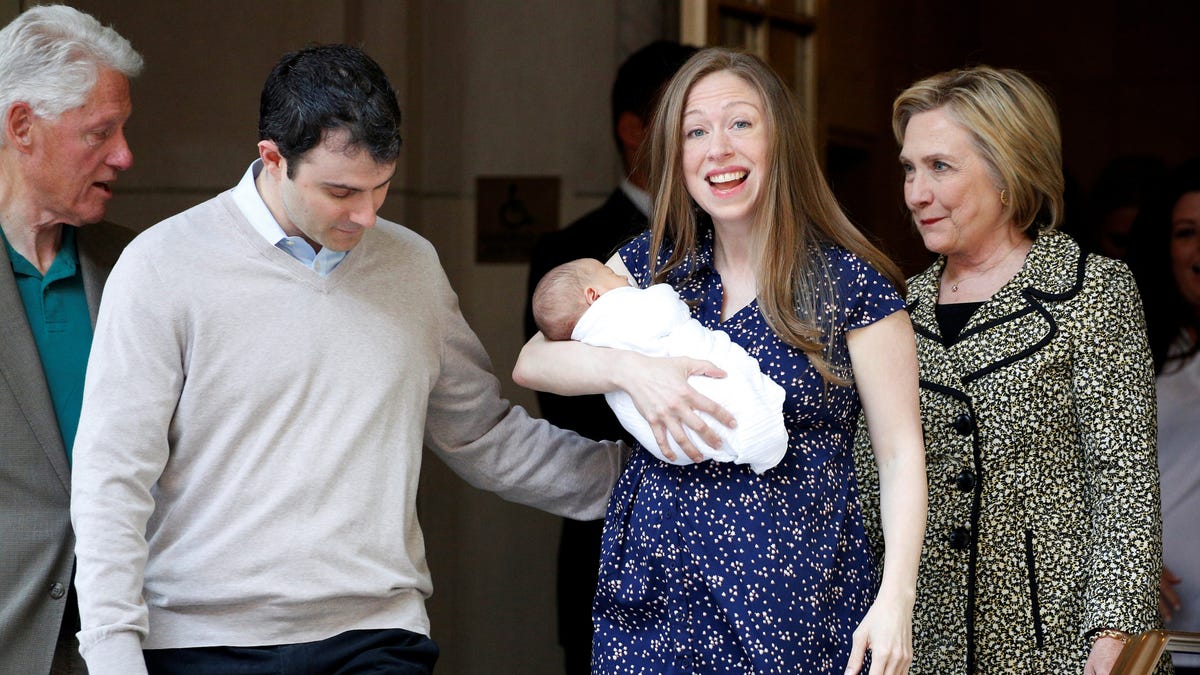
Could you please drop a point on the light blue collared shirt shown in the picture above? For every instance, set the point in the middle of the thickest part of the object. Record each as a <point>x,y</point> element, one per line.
<point>251,204</point>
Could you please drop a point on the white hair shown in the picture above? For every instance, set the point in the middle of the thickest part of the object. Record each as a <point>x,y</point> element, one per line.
<point>50,58</point>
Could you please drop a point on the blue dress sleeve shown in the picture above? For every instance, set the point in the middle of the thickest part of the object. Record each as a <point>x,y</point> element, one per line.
<point>866,295</point>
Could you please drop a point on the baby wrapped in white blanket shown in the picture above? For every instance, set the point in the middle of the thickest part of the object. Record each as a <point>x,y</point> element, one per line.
<point>656,322</point>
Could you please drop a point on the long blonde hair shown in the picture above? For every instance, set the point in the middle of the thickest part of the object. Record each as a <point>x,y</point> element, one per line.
<point>796,213</point>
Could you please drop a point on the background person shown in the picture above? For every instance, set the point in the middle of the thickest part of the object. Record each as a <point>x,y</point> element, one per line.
<point>1165,258</point>
<point>585,300</point>
<point>64,93</point>
<point>1124,184</point>
<point>1042,548</point>
<point>266,369</point>
<point>597,234</point>
<point>710,567</point>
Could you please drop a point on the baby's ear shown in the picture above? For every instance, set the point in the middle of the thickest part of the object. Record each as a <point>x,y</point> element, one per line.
<point>590,294</point>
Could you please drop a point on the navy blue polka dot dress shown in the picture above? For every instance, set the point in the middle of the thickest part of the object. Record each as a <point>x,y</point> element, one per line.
<point>711,568</point>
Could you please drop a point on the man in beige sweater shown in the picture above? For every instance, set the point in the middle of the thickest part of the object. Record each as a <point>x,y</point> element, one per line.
<point>266,369</point>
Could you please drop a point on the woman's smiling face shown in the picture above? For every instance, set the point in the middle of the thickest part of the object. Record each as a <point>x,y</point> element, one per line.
<point>1185,247</point>
<point>725,148</point>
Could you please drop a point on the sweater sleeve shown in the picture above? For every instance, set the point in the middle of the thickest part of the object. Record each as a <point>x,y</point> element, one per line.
<point>120,451</point>
<point>1115,406</point>
<point>496,446</point>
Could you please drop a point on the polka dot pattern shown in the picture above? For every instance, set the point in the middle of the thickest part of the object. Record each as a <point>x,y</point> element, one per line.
<point>711,568</point>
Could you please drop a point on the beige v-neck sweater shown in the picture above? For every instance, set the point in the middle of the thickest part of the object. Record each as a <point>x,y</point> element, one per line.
<point>247,460</point>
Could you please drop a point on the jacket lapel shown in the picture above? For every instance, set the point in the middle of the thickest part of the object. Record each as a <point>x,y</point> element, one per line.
<point>21,370</point>
<point>98,247</point>
<point>936,368</point>
<point>1013,324</point>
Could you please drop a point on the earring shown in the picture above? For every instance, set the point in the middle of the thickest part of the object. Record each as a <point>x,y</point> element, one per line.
<point>1004,196</point>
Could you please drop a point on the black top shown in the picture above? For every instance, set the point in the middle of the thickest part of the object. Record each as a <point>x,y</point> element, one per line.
<point>953,318</point>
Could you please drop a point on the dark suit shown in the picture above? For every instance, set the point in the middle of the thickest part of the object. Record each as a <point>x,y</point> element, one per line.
<point>36,542</point>
<point>597,234</point>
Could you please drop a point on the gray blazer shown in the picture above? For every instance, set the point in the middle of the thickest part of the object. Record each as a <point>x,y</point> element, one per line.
<point>36,543</point>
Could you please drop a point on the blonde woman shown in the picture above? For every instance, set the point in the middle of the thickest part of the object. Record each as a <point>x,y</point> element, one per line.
<point>1042,548</point>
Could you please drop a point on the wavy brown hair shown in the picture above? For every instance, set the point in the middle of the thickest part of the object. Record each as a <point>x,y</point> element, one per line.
<point>796,213</point>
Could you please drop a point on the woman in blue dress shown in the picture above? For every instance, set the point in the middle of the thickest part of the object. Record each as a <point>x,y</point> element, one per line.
<point>710,567</point>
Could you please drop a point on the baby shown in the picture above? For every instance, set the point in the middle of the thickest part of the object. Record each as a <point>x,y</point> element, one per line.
<point>585,300</point>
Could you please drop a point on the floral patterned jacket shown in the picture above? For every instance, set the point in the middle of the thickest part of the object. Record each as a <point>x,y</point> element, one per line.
<point>1044,522</point>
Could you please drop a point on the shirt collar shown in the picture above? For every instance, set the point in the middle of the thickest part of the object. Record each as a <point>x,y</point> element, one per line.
<point>248,200</point>
<point>640,198</point>
<point>252,206</point>
<point>66,261</point>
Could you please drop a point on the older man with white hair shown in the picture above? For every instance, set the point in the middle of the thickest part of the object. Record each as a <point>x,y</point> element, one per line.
<point>64,96</point>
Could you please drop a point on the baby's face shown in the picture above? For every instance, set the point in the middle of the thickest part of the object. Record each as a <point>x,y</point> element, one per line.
<point>604,279</point>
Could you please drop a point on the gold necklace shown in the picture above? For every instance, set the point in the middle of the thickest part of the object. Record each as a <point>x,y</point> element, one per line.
<point>954,284</point>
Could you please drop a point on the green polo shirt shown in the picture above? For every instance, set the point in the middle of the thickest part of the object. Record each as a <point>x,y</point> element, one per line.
<point>58,315</point>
